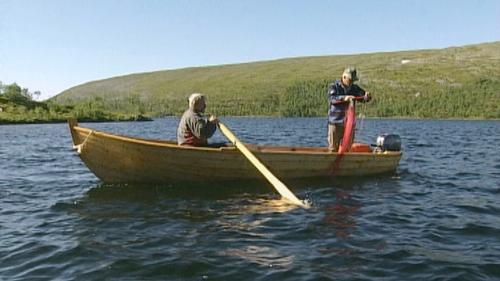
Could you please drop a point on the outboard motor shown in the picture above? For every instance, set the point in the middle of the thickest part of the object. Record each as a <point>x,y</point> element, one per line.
<point>389,142</point>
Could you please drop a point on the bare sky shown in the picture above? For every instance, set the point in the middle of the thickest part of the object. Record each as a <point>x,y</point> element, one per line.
<point>53,45</point>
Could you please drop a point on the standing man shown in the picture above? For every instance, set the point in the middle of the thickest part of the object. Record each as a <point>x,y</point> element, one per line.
<point>195,129</point>
<point>340,93</point>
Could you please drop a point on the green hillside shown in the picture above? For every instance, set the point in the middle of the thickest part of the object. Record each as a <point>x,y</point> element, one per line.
<point>456,82</point>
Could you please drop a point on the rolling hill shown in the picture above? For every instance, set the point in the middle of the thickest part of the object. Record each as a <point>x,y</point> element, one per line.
<point>455,82</point>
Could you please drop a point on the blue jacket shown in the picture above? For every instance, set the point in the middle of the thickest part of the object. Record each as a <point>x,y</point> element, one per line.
<point>338,107</point>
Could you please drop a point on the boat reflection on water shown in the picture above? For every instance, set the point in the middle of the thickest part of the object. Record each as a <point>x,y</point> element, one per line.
<point>194,191</point>
<point>255,196</point>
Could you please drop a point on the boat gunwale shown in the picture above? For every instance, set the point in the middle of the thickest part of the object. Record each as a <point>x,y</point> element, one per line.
<point>256,148</point>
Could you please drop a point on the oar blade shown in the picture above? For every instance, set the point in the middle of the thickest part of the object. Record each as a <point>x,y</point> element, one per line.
<point>275,182</point>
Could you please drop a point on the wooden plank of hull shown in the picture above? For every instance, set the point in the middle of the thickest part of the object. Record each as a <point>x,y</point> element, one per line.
<point>117,159</point>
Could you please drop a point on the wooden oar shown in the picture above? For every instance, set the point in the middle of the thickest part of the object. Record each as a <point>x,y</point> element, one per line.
<point>278,185</point>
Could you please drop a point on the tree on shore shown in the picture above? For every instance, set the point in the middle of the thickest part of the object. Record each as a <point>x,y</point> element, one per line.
<point>16,94</point>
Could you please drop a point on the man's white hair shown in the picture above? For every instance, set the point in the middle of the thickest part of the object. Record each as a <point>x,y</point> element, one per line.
<point>194,98</point>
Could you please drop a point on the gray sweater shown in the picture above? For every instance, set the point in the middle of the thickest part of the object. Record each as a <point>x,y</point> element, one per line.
<point>194,129</point>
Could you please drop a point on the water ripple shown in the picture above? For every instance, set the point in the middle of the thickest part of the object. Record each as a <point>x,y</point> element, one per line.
<point>437,218</point>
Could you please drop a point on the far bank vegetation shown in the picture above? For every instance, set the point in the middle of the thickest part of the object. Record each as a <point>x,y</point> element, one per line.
<point>18,105</point>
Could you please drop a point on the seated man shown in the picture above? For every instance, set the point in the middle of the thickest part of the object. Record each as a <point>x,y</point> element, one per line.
<point>194,129</point>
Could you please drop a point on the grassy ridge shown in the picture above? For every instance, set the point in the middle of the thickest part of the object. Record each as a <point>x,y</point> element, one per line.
<point>457,82</point>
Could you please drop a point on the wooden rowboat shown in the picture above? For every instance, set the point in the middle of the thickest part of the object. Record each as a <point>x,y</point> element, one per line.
<point>122,159</point>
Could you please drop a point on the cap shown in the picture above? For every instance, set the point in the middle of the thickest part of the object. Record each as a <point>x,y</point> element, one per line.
<point>350,73</point>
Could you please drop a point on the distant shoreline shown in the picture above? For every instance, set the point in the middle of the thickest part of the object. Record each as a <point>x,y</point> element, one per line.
<point>25,122</point>
<point>2,122</point>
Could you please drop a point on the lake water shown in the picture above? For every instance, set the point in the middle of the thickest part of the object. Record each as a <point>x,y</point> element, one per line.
<point>436,218</point>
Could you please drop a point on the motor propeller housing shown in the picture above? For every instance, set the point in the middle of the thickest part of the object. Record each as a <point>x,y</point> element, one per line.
<point>389,142</point>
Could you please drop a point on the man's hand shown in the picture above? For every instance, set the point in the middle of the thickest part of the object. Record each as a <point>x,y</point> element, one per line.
<point>348,98</point>
<point>213,119</point>
<point>368,96</point>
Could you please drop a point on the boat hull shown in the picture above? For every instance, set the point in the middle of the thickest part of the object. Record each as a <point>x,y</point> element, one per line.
<point>120,159</point>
